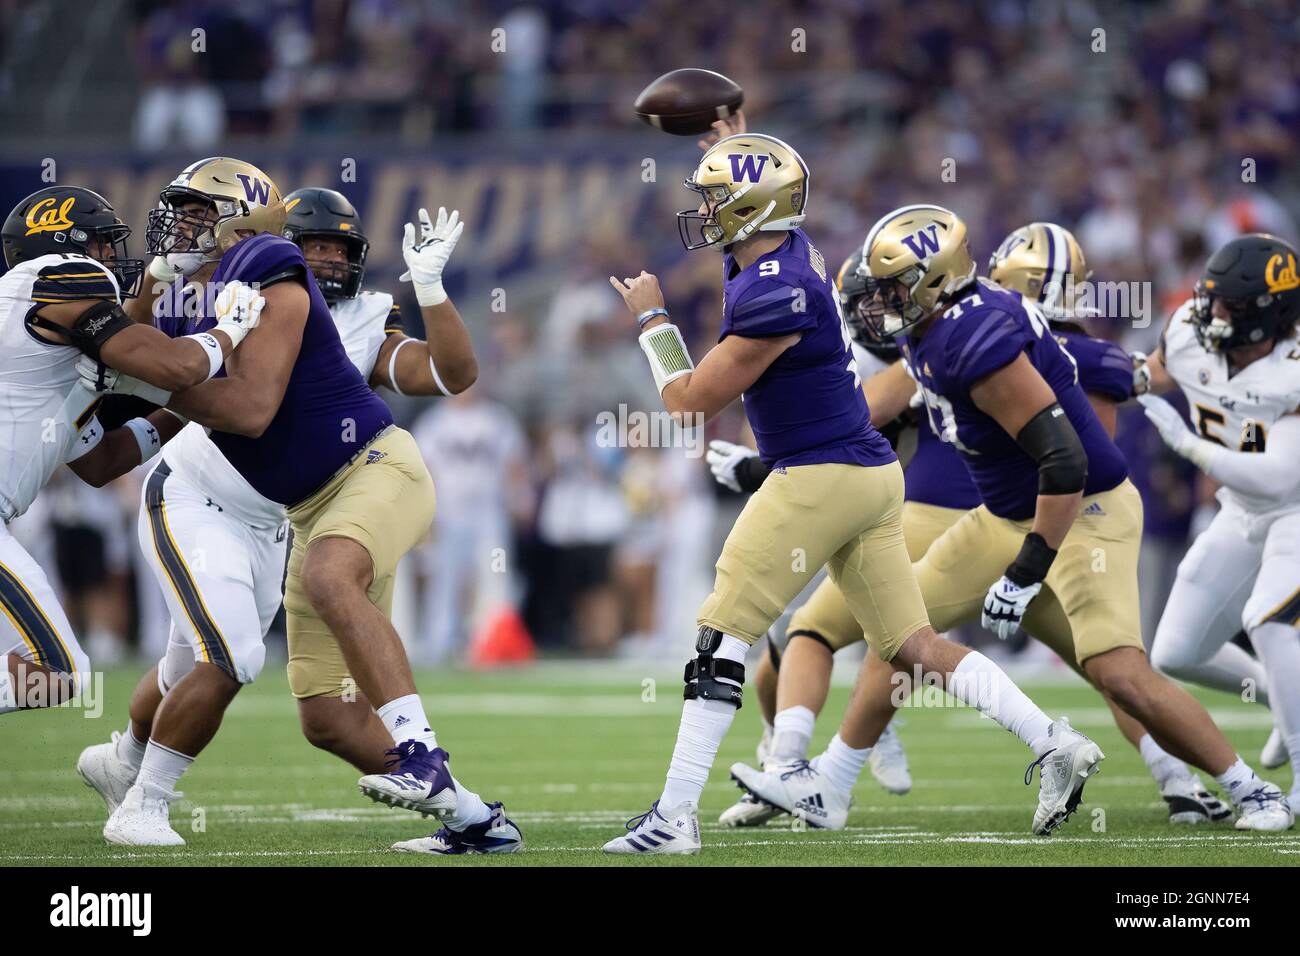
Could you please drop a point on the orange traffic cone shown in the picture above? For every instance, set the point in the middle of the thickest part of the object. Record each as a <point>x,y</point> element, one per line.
<point>503,639</point>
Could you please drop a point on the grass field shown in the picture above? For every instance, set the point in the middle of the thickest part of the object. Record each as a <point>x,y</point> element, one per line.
<point>574,751</point>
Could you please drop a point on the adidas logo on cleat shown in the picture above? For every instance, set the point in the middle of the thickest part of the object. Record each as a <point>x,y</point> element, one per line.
<point>811,806</point>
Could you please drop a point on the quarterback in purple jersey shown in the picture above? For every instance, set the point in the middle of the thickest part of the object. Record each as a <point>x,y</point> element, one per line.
<point>298,423</point>
<point>1054,496</point>
<point>834,497</point>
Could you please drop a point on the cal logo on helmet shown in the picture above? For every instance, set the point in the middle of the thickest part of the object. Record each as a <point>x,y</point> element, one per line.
<point>1279,277</point>
<point>45,216</point>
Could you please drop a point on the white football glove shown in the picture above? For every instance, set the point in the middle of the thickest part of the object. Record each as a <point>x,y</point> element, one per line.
<point>426,259</point>
<point>723,458</point>
<point>100,378</point>
<point>1175,432</point>
<point>1005,604</point>
<point>238,310</point>
<point>1141,373</point>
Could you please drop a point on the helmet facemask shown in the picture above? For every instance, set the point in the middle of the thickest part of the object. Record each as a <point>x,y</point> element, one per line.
<point>112,255</point>
<point>885,310</point>
<point>699,230</point>
<point>188,238</point>
<point>337,280</point>
<point>1218,334</point>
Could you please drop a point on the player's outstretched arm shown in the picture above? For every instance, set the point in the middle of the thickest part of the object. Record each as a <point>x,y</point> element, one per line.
<point>888,393</point>
<point>245,401</point>
<point>690,393</point>
<point>444,363</point>
<point>122,449</point>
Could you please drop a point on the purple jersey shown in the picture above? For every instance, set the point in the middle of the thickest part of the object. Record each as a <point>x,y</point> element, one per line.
<point>985,330</point>
<point>937,476</point>
<point>807,408</point>
<point>328,412</point>
<point>1104,368</point>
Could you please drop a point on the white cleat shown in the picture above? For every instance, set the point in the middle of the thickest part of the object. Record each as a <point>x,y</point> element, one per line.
<point>888,763</point>
<point>1274,754</point>
<point>420,780</point>
<point>677,831</point>
<point>1190,802</point>
<point>1063,771</point>
<point>1265,808</point>
<point>799,790</point>
<point>105,772</point>
<point>141,818</point>
<point>748,811</point>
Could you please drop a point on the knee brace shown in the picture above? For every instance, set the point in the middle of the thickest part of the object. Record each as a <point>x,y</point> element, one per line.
<point>710,678</point>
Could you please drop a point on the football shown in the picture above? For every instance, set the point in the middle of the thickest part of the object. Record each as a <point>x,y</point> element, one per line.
<point>687,102</point>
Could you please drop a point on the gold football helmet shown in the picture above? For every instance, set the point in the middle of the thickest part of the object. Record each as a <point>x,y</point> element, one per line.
<point>922,249</point>
<point>236,196</point>
<point>1042,261</point>
<point>749,183</point>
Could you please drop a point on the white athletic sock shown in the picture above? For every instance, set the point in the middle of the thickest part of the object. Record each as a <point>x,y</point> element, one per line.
<point>792,731</point>
<point>470,808</point>
<point>8,699</point>
<point>704,724</point>
<point>162,766</point>
<point>130,750</point>
<point>841,764</point>
<point>1163,765</point>
<point>1236,780</point>
<point>405,720</point>
<point>979,683</point>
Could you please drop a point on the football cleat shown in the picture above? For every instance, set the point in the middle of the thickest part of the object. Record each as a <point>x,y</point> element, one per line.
<point>1062,772</point>
<point>888,763</point>
<point>748,811</point>
<point>497,834</point>
<point>1190,802</point>
<point>655,832</point>
<point>105,772</point>
<point>141,819</point>
<point>1265,808</point>
<point>799,790</point>
<point>420,781</point>
<point>1274,754</point>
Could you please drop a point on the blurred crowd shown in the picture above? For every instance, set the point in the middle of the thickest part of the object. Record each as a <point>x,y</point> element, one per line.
<point>1155,131</point>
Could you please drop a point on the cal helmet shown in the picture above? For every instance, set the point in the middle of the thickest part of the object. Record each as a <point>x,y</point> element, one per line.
<point>922,249</point>
<point>60,219</point>
<point>749,183</point>
<point>234,195</point>
<point>1255,279</point>
<point>312,212</point>
<point>1045,263</point>
<point>851,288</point>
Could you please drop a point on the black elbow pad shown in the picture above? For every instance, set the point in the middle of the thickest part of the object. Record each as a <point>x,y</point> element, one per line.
<point>1051,440</point>
<point>97,325</point>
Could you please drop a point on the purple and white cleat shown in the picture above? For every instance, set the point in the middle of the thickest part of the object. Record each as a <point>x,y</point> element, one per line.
<point>420,781</point>
<point>497,834</point>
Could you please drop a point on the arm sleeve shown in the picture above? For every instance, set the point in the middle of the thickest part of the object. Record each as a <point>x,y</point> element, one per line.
<point>982,343</point>
<point>771,308</point>
<point>1268,474</point>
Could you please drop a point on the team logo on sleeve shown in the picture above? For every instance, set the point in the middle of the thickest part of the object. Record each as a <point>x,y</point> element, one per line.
<point>1280,274</point>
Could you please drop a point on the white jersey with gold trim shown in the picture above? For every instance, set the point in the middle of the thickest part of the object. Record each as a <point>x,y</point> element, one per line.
<point>193,455</point>
<point>47,417</point>
<point>1234,411</point>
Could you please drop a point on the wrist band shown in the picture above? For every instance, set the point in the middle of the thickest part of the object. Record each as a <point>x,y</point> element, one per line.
<point>212,348</point>
<point>429,294</point>
<point>649,314</point>
<point>146,436</point>
<point>666,351</point>
<point>1033,562</point>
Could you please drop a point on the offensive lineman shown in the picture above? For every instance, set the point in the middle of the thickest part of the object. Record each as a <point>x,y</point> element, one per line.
<point>988,370</point>
<point>1045,263</point>
<point>1233,350</point>
<point>61,301</point>
<point>786,349</point>
<point>305,431</point>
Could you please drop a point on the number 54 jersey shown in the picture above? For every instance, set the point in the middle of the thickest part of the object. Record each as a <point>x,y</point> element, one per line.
<point>1235,411</point>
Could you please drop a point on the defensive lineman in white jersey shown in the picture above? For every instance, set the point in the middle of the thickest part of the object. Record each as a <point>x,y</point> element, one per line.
<point>218,547</point>
<point>1234,352</point>
<point>61,301</point>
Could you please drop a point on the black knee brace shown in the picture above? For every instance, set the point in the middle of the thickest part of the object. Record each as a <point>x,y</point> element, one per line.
<point>706,676</point>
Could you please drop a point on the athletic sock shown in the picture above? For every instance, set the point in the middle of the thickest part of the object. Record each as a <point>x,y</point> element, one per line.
<point>470,808</point>
<point>1236,780</point>
<point>129,749</point>
<point>1292,743</point>
<point>979,683</point>
<point>841,764</point>
<point>404,717</point>
<point>162,766</point>
<point>792,731</point>
<point>8,699</point>
<point>704,724</point>
<point>1163,765</point>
